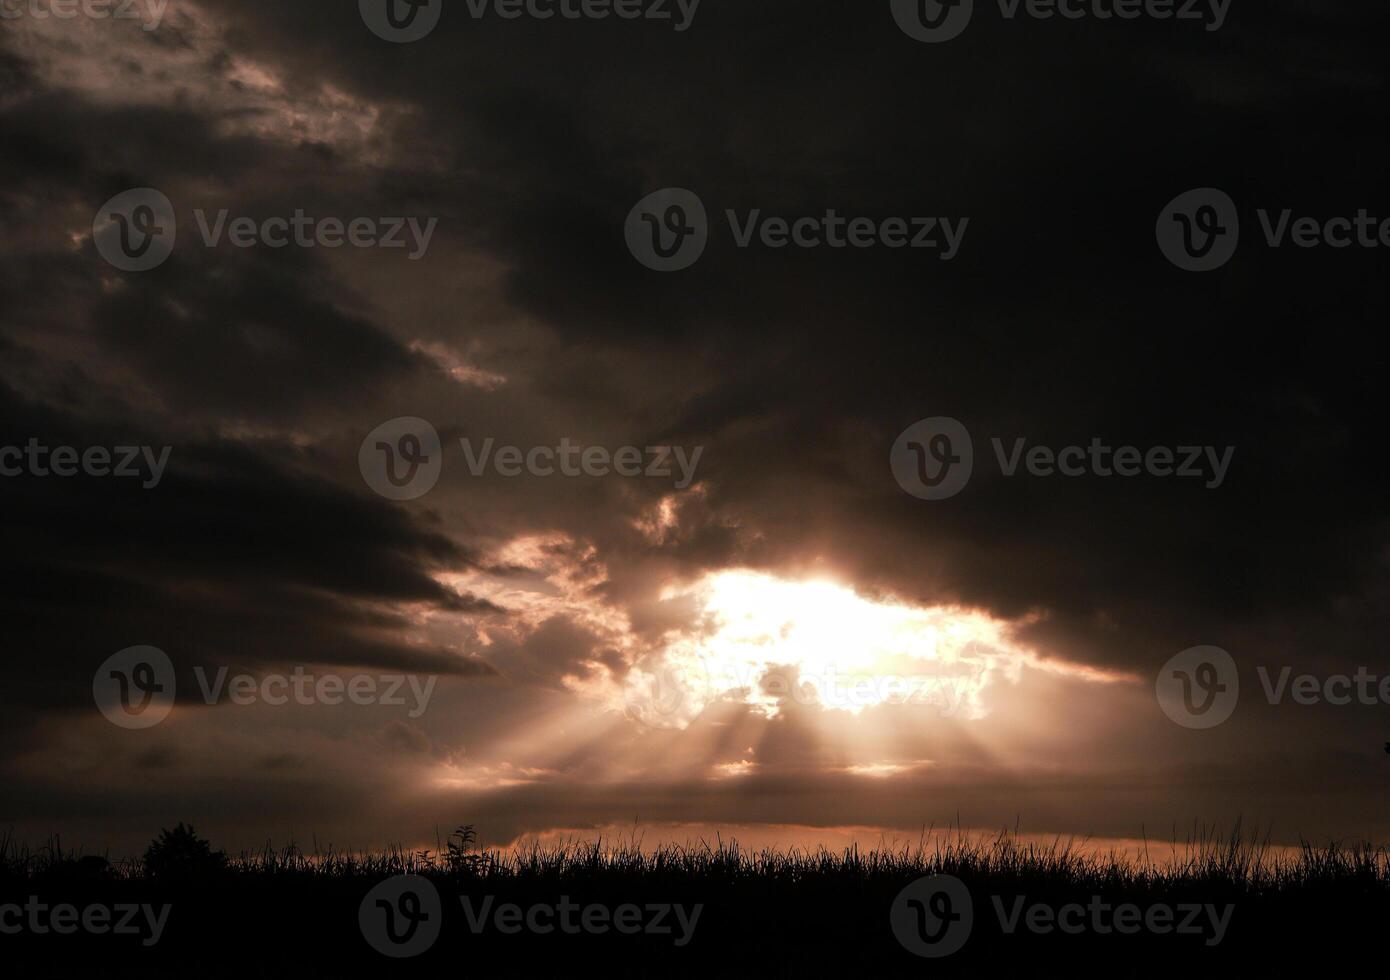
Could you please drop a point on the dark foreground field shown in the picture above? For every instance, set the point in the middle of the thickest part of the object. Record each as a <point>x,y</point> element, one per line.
<point>985,908</point>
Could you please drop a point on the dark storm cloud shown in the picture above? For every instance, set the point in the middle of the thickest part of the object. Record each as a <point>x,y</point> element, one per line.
<point>1059,322</point>
<point>232,559</point>
<point>260,338</point>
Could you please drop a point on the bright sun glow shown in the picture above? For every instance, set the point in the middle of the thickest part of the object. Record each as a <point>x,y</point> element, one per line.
<point>767,641</point>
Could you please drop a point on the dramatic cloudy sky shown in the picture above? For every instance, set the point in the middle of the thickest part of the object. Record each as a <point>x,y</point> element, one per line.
<point>549,607</point>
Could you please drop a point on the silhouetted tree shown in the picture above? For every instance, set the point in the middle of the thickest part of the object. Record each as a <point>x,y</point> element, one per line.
<point>181,852</point>
<point>93,865</point>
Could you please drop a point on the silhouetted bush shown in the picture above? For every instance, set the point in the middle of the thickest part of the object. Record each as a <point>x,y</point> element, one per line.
<point>181,853</point>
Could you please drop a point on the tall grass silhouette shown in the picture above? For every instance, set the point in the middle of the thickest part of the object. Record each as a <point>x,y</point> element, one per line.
<point>776,912</point>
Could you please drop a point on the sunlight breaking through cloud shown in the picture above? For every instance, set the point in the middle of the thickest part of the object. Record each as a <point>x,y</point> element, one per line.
<point>767,641</point>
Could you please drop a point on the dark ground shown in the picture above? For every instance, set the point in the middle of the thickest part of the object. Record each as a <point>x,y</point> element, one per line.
<point>764,914</point>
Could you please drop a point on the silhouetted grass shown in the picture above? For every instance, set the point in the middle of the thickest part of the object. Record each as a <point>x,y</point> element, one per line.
<point>767,912</point>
